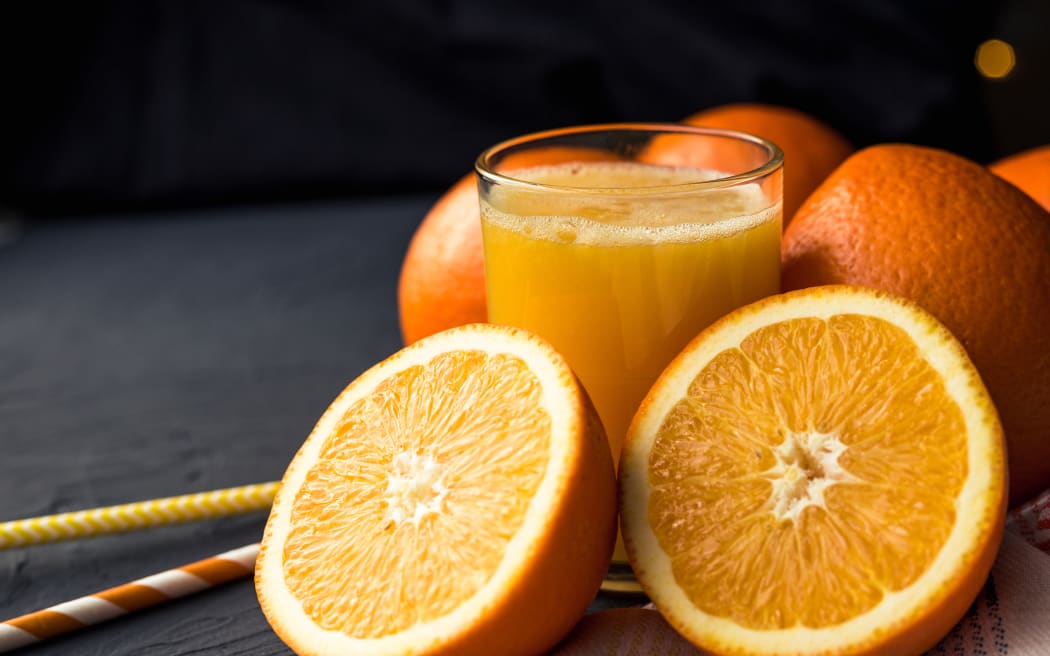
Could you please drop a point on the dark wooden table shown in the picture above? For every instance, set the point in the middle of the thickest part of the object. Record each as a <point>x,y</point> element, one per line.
<point>155,355</point>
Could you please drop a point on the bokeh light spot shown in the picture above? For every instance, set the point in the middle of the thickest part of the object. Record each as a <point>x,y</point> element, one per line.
<point>995,59</point>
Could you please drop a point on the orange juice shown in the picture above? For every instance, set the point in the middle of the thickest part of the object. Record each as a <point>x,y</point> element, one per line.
<point>620,280</point>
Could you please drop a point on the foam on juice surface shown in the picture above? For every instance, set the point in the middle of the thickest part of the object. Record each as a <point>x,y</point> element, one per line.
<point>608,211</point>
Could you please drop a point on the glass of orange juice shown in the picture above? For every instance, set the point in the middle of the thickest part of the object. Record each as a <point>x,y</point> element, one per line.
<point>619,243</point>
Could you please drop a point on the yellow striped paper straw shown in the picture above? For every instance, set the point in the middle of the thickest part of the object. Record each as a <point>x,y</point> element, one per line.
<point>123,599</point>
<point>138,515</point>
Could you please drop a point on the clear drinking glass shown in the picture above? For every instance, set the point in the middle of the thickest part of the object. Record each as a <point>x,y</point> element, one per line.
<point>619,243</point>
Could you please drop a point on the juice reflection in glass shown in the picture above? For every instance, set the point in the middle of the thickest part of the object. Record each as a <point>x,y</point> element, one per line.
<point>619,257</point>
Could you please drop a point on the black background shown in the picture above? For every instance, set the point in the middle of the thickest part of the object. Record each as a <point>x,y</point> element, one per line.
<point>142,104</point>
<point>145,356</point>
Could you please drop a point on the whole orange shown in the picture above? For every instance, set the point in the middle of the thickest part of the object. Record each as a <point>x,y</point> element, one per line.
<point>1029,171</point>
<point>965,245</point>
<point>442,283</point>
<point>812,148</point>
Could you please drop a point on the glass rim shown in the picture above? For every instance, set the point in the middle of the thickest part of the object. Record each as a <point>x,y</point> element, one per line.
<point>775,158</point>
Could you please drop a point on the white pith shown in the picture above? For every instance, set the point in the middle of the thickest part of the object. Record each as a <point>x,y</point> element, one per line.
<point>806,465</point>
<point>415,488</point>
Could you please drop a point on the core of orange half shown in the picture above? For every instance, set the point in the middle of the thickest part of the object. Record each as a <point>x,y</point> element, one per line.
<point>459,497</point>
<point>821,472</point>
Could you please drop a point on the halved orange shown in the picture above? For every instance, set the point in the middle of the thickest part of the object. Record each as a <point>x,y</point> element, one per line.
<point>821,472</point>
<point>458,497</point>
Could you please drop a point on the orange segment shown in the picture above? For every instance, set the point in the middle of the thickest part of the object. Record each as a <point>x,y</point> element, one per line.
<point>413,444</point>
<point>825,464</point>
<point>444,491</point>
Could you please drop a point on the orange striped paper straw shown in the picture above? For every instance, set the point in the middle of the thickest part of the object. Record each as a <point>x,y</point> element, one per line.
<point>127,598</point>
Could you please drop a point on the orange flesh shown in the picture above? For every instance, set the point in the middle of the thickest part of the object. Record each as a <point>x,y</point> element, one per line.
<point>847,403</point>
<point>446,453</point>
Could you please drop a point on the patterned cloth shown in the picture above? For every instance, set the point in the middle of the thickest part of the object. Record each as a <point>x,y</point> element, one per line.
<point>1011,616</point>
<point>1032,522</point>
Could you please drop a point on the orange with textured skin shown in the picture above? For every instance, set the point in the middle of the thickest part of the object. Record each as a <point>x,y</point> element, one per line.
<point>445,496</point>
<point>1029,171</point>
<point>442,282</point>
<point>812,149</point>
<point>821,471</point>
<point>965,245</point>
